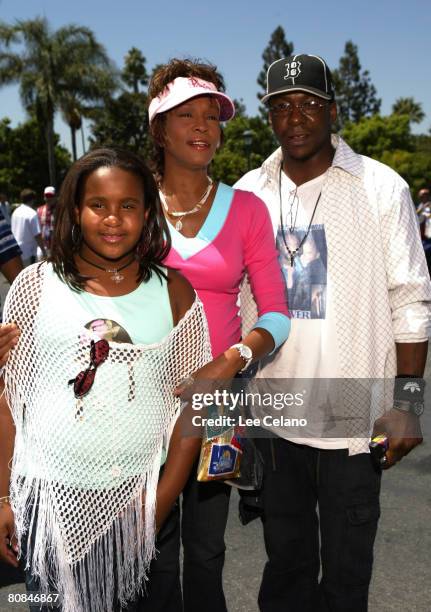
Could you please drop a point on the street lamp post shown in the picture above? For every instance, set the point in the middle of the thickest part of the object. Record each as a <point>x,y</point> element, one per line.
<point>248,136</point>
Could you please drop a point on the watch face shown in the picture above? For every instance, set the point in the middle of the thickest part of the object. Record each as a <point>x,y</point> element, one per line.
<point>246,352</point>
<point>417,409</point>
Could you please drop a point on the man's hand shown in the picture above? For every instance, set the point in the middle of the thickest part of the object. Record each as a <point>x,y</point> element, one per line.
<point>10,269</point>
<point>403,431</point>
<point>8,543</point>
<point>9,336</point>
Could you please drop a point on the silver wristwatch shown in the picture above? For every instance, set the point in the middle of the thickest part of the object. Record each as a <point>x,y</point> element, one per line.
<point>245,353</point>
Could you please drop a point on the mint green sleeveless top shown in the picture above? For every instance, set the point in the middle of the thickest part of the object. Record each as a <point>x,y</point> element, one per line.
<point>143,316</point>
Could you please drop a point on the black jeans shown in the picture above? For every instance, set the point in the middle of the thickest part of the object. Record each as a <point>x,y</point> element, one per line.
<point>163,589</point>
<point>297,480</point>
<point>205,512</point>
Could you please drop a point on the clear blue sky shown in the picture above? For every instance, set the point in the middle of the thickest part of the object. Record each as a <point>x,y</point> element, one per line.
<point>394,38</point>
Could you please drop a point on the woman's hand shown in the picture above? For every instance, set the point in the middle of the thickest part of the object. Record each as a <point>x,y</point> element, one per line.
<point>9,336</point>
<point>215,374</point>
<point>8,542</point>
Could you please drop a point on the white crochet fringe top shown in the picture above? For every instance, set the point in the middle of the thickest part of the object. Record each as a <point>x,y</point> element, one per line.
<point>93,541</point>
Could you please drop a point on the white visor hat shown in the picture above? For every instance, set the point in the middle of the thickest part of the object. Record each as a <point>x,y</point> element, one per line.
<point>184,88</point>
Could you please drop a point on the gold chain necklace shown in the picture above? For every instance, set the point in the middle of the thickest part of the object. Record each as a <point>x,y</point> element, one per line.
<point>183,213</point>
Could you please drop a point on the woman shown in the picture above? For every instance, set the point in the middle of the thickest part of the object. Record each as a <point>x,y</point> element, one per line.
<point>90,482</point>
<point>218,234</point>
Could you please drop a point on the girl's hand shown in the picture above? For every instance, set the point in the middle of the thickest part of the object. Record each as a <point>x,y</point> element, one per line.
<point>9,336</point>
<point>8,542</point>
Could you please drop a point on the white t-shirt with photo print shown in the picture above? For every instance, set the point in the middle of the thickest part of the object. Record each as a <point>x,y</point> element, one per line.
<point>310,352</point>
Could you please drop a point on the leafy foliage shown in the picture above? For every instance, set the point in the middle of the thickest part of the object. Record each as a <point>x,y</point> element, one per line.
<point>123,121</point>
<point>409,107</point>
<point>135,72</point>
<point>23,158</point>
<point>231,162</point>
<point>389,140</point>
<point>374,135</point>
<point>355,94</point>
<point>277,48</point>
<point>62,69</point>
<point>414,167</point>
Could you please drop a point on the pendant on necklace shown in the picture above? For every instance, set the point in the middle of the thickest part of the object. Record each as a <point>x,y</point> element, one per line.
<point>292,255</point>
<point>179,225</point>
<point>116,276</point>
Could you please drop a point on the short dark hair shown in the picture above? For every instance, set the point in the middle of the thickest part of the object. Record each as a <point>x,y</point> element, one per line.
<point>164,75</point>
<point>27,195</point>
<point>154,243</point>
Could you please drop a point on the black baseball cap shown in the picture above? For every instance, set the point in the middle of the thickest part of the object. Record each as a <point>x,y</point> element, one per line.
<point>302,72</point>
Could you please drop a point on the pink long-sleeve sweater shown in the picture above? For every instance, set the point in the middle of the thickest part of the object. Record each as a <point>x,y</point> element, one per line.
<point>244,242</point>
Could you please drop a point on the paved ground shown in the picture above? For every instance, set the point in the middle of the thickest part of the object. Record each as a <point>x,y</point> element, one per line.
<point>401,581</point>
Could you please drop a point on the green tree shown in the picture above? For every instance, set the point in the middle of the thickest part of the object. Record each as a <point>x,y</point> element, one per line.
<point>231,161</point>
<point>375,135</point>
<point>414,167</point>
<point>356,95</point>
<point>23,151</point>
<point>135,72</point>
<point>388,139</point>
<point>123,121</point>
<point>51,68</point>
<point>277,48</point>
<point>240,109</point>
<point>422,143</point>
<point>409,107</point>
<point>72,111</point>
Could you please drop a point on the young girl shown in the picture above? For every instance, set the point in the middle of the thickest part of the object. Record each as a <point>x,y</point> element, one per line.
<point>218,234</point>
<point>90,484</point>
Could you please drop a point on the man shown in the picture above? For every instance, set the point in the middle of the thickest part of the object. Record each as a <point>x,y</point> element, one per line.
<point>26,228</point>
<point>423,198</point>
<point>45,214</point>
<point>423,209</point>
<point>10,259</point>
<point>372,322</point>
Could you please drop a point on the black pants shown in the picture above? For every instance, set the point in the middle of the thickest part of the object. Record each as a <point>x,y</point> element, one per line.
<point>346,491</point>
<point>163,589</point>
<point>205,512</point>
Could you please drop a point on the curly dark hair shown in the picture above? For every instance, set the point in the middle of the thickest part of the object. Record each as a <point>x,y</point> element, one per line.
<point>161,78</point>
<point>154,243</point>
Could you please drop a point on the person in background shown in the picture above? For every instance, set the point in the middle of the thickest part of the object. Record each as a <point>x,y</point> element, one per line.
<point>10,253</point>
<point>5,207</point>
<point>423,209</point>
<point>46,214</point>
<point>26,228</point>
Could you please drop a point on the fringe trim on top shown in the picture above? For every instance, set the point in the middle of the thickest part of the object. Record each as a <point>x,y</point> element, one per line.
<point>115,566</point>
